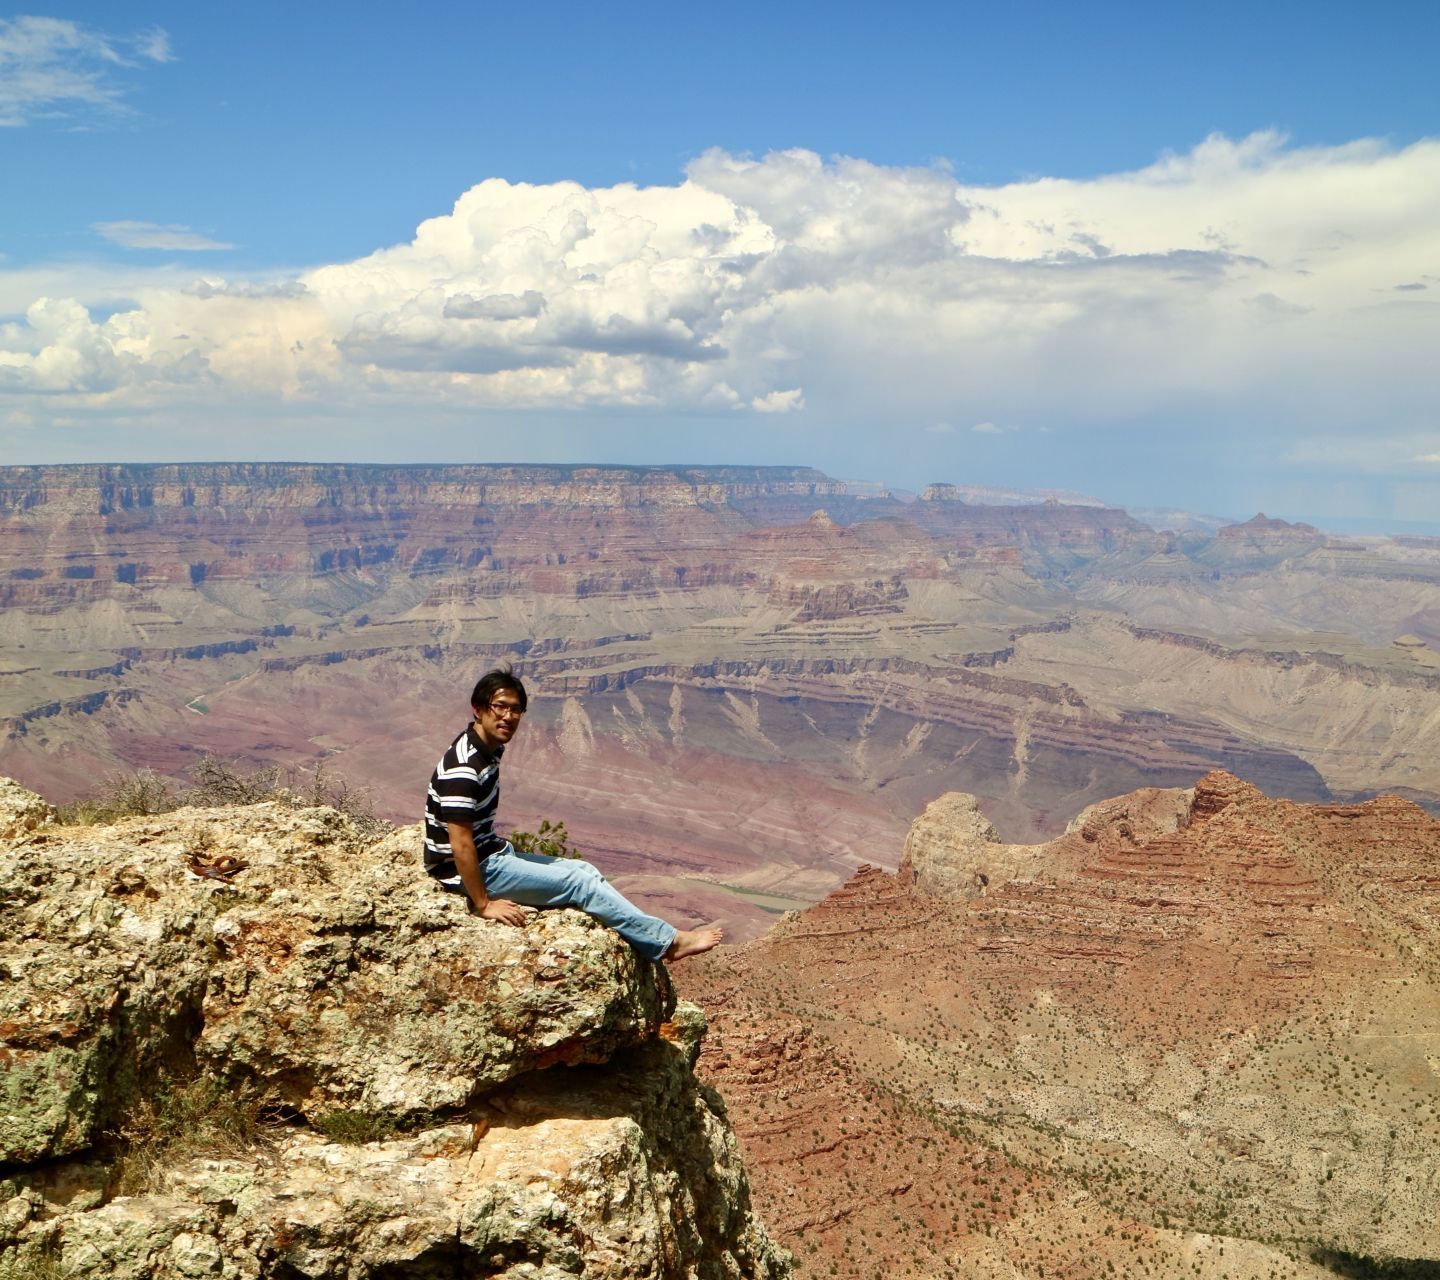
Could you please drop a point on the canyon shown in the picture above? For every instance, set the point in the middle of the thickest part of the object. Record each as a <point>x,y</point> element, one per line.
<point>1197,1033</point>
<point>746,681</point>
<point>1085,888</point>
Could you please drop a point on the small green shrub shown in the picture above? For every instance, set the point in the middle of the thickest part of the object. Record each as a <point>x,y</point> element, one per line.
<point>354,1127</point>
<point>552,840</point>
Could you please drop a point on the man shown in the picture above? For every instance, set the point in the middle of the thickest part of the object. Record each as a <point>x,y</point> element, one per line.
<point>463,851</point>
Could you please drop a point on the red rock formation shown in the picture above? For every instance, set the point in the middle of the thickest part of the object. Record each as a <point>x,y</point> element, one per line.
<point>1216,1019</point>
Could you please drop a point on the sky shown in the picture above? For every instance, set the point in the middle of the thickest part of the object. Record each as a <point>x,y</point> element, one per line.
<point>1172,256</point>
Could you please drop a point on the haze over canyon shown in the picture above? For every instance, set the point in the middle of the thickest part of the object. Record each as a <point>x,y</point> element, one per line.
<point>746,682</point>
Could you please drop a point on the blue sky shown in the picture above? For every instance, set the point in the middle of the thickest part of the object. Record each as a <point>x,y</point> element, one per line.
<point>1182,255</point>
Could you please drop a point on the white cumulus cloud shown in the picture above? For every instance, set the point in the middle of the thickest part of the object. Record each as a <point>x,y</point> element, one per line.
<point>1245,272</point>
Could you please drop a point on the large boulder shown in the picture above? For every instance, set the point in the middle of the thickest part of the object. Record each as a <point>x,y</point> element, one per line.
<point>612,1173</point>
<point>516,1102</point>
<point>277,951</point>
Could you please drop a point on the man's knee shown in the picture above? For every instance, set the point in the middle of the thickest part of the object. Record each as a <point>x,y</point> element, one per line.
<point>583,870</point>
<point>581,878</point>
<point>578,866</point>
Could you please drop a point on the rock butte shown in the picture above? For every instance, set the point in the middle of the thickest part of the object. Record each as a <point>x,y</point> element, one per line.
<point>1197,1034</point>
<point>748,680</point>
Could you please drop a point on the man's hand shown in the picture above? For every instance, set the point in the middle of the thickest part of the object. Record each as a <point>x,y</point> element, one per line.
<point>462,846</point>
<point>505,911</point>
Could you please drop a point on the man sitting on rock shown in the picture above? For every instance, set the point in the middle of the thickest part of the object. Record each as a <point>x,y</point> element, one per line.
<point>465,854</point>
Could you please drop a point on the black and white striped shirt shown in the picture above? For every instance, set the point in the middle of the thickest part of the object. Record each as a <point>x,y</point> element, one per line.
<point>465,787</point>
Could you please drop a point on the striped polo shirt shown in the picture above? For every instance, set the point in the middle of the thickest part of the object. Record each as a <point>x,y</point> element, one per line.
<point>465,787</point>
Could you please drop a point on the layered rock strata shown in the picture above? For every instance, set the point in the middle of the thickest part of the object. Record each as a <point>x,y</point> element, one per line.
<point>1203,1022</point>
<point>838,653</point>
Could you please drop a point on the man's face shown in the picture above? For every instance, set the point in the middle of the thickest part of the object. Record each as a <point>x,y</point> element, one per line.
<point>497,722</point>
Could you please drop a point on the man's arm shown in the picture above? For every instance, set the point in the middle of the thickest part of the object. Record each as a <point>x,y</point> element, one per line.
<point>467,863</point>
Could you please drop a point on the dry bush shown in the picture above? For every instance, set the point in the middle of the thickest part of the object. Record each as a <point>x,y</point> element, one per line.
<point>131,795</point>
<point>187,1120</point>
<point>219,783</point>
<point>354,1128</point>
<point>42,1264</point>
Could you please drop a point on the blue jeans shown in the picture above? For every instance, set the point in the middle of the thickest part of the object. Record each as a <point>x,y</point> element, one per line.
<point>535,880</point>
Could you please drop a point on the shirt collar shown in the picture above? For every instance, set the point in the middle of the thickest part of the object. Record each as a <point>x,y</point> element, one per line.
<point>478,743</point>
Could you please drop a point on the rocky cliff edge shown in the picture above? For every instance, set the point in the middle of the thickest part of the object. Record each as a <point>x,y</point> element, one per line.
<point>270,957</point>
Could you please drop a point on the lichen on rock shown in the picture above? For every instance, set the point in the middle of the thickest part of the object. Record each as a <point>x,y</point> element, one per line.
<point>275,954</point>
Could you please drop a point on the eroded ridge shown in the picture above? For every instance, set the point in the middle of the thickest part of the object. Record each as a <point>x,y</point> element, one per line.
<point>1198,1033</point>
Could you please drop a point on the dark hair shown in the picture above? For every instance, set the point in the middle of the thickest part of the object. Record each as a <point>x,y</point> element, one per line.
<point>492,682</point>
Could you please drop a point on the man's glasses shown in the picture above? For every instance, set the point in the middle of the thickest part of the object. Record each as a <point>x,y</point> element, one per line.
<point>506,710</point>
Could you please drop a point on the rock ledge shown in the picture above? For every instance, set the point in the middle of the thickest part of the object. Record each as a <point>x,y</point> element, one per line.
<point>270,951</point>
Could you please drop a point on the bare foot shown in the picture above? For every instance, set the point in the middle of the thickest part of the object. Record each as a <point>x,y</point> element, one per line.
<point>692,942</point>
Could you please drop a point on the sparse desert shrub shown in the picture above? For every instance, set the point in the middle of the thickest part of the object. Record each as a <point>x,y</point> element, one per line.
<point>325,788</point>
<point>552,839</point>
<point>137,794</point>
<point>354,1127</point>
<point>219,783</point>
<point>185,1120</point>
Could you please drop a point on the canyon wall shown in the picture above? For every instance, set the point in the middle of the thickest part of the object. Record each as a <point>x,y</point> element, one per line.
<point>746,680</point>
<point>1198,1034</point>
